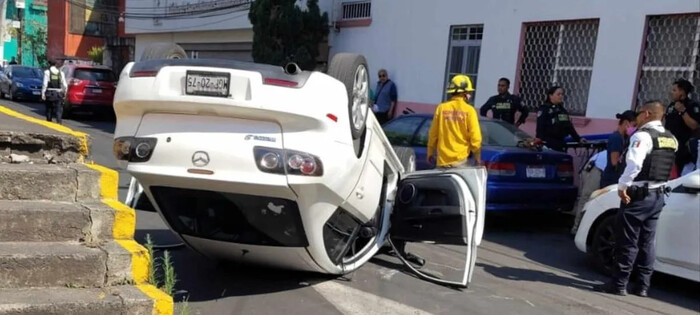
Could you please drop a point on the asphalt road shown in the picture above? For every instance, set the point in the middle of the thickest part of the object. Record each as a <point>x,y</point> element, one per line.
<point>527,264</point>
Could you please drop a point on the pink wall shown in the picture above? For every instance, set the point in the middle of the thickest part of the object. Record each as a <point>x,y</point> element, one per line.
<point>583,125</point>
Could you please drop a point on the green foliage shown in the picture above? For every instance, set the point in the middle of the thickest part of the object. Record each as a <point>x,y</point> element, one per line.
<point>96,53</point>
<point>170,278</point>
<point>36,43</point>
<point>283,32</point>
<point>154,262</point>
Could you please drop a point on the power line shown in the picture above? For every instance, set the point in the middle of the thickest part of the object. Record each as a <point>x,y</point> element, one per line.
<point>192,14</point>
<point>189,26</point>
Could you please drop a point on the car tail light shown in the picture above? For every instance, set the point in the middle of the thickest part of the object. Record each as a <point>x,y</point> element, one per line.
<point>290,162</point>
<point>280,82</point>
<point>501,168</point>
<point>74,82</point>
<point>565,170</point>
<point>133,149</point>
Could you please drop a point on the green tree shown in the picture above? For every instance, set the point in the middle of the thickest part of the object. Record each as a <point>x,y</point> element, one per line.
<point>96,53</point>
<point>283,32</point>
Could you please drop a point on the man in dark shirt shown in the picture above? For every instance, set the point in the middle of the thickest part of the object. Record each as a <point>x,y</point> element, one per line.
<point>505,105</point>
<point>617,142</point>
<point>682,117</point>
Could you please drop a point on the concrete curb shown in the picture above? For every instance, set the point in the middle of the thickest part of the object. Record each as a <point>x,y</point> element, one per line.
<point>124,218</point>
<point>82,137</point>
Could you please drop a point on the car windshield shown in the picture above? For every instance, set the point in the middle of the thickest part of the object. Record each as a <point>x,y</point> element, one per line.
<point>493,132</point>
<point>94,75</point>
<point>26,72</point>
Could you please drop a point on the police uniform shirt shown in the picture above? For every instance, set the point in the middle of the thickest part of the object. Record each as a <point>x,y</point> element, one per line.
<point>504,108</point>
<point>554,124</point>
<point>677,126</point>
<point>640,146</point>
<point>47,79</point>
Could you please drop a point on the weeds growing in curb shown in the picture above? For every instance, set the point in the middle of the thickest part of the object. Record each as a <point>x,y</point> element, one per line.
<point>153,266</point>
<point>169,272</point>
<point>169,275</point>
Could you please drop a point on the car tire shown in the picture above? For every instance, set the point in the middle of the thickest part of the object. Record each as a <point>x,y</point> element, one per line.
<point>602,251</point>
<point>163,51</point>
<point>351,70</point>
<point>407,157</point>
<point>11,96</point>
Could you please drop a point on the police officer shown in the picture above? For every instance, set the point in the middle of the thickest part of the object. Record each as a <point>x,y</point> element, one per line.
<point>553,121</point>
<point>682,118</point>
<point>642,187</point>
<point>505,105</point>
<point>52,91</point>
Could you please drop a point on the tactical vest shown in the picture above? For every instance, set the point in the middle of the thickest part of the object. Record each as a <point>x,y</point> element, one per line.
<point>54,80</point>
<point>658,164</point>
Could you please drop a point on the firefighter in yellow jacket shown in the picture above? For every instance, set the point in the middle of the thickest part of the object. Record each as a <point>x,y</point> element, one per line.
<point>455,131</point>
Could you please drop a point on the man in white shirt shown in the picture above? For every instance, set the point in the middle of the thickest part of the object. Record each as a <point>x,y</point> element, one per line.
<point>52,92</point>
<point>590,182</point>
<point>642,190</point>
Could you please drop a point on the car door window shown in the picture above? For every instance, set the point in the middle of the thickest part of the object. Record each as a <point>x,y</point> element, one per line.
<point>400,131</point>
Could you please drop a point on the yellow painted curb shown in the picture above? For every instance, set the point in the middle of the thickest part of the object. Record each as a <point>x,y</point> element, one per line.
<point>124,217</point>
<point>163,303</point>
<point>82,137</point>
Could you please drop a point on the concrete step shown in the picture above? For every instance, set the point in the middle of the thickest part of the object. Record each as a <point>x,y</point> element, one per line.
<point>40,148</point>
<point>69,182</point>
<point>55,264</point>
<point>75,301</point>
<point>51,221</point>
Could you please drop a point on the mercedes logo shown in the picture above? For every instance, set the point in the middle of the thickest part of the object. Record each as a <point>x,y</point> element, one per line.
<point>200,159</point>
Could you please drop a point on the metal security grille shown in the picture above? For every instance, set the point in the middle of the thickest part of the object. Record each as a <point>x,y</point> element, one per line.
<point>558,53</point>
<point>356,10</point>
<point>671,52</point>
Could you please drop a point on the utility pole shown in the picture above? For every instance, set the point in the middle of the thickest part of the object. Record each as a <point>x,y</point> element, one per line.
<point>20,4</point>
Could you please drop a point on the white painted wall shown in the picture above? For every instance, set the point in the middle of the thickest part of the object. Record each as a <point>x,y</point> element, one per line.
<point>230,36</point>
<point>410,40</point>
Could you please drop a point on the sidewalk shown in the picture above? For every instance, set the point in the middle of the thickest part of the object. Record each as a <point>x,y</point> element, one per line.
<point>35,140</point>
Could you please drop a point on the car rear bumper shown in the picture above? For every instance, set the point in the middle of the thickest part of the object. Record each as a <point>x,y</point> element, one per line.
<point>530,197</point>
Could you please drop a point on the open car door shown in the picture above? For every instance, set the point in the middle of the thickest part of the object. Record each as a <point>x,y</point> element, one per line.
<point>438,215</point>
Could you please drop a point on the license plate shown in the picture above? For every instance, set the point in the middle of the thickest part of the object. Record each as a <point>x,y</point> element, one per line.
<point>97,91</point>
<point>536,172</point>
<point>207,83</point>
<point>36,92</point>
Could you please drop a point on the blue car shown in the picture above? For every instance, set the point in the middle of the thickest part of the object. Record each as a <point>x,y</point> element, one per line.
<point>519,177</point>
<point>21,82</point>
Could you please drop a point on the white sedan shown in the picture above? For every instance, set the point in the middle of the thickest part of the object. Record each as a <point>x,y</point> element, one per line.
<point>677,233</point>
<point>281,167</point>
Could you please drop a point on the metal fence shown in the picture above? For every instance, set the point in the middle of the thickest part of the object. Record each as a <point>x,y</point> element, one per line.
<point>558,53</point>
<point>671,51</point>
<point>356,10</point>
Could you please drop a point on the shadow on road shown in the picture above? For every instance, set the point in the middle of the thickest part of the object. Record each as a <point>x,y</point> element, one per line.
<point>99,121</point>
<point>544,239</point>
<point>208,280</point>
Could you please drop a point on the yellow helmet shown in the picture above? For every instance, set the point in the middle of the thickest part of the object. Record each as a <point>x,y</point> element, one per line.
<point>460,84</point>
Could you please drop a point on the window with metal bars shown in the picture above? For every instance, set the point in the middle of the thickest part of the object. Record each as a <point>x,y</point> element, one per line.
<point>356,10</point>
<point>671,51</point>
<point>463,53</point>
<point>557,53</point>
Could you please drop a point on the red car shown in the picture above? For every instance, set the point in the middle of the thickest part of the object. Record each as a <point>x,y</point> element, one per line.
<point>90,88</point>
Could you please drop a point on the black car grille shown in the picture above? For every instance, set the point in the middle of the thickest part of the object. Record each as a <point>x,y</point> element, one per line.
<point>228,217</point>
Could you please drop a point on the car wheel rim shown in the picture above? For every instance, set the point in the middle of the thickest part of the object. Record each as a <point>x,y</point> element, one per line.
<point>606,249</point>
<point>360,97</point>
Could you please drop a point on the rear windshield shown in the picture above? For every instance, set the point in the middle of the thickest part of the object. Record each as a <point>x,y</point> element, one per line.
<point>94,75</point>
<point>502,134</point>
<point>26,72</point>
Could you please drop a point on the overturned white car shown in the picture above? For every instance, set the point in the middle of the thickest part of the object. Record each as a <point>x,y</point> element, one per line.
<point>281,167</point>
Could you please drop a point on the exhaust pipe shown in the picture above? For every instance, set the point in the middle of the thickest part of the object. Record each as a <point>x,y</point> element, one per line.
<point>292,68</point>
